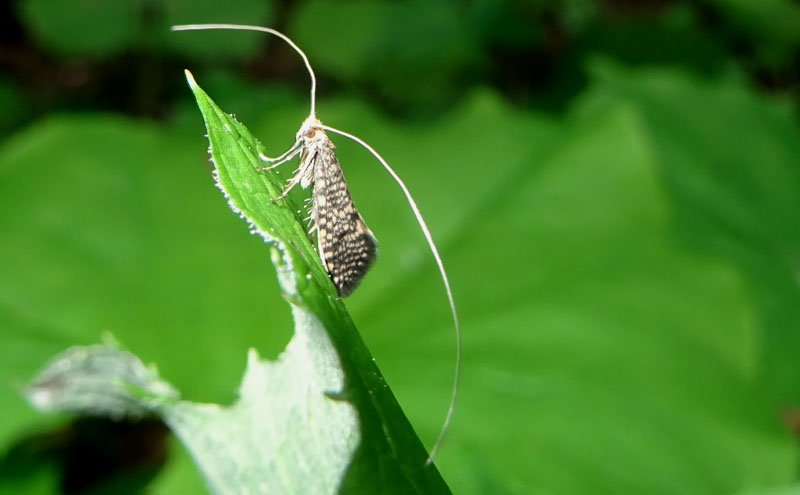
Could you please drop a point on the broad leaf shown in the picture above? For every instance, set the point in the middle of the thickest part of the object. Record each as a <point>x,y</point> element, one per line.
<point>320,419</point>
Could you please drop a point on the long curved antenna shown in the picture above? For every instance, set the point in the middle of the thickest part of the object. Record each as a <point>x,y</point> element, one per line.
<point>193,27</point>
<point>445,280</point>
<point>411,202</point>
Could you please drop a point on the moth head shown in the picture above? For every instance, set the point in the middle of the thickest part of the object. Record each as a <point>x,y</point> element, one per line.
<point>310,130</point>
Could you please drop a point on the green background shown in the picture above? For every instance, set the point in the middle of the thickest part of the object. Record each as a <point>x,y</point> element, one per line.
<point>614,186</point>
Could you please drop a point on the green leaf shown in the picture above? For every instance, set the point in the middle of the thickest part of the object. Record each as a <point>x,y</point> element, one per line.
<point>99,27</point>
<point>787,490</point>
<point>773,26</point>
<point>390,455</point>
<point>109,27</point>
<point>283,433</point>
<point>321,418</point>
<point>390,50</point>
<point>235,153</point>
<point>92,380</point>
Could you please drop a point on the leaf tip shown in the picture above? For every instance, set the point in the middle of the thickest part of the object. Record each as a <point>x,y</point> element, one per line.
<point>190,79</point>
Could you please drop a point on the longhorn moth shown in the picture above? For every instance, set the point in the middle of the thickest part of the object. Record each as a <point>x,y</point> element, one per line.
<point>345,245</point>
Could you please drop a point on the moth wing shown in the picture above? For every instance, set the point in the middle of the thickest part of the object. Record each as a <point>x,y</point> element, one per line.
<point>345,244</point>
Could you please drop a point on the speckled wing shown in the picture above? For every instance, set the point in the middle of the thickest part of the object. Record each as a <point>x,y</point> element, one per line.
<point>346,245</point>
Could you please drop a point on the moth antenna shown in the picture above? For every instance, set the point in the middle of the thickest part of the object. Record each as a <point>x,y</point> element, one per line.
<point>411,202</point>
<point>194,27</point>
<point>424,227</point>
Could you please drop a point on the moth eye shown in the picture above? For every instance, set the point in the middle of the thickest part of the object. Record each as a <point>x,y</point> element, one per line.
<point>310,133</point>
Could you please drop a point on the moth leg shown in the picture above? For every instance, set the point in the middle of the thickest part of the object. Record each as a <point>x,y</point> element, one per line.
<point>282,159</point>
<point>296,178</point>
<point>293,182</point>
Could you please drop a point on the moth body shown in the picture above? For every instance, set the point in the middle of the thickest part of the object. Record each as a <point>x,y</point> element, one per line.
<point>344,242</point>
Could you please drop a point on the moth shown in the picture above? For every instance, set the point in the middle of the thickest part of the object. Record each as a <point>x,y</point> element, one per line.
<point>344,242</point>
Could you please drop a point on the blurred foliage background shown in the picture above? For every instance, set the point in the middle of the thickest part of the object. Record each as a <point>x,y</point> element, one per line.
<point>614,185</point>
